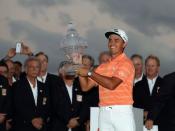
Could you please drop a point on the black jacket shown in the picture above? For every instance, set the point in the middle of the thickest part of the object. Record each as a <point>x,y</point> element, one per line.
<point>141,94</point>
<point>142,97</point>
<point>5,100</point>
<point>64,110</point>
<point>49,84</point>
<point>24,108</point>
<point>166,99</point>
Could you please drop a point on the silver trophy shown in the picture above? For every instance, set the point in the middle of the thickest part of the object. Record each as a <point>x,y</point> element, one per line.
<point>73,47</point>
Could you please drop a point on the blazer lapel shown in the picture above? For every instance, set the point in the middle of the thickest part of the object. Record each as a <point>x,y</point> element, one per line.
<point>29,91</point>
<point>156,86</point>
<point>147,87</point>
<point>74,95</point>
<point>47,78</point>
<point>65,91</point>
<point>40,95</point>
<point>75,91</point>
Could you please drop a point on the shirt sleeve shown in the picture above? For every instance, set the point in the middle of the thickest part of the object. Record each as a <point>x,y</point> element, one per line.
<point>123,71</point>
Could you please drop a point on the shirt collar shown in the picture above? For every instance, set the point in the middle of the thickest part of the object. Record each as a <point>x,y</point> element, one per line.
<point>118,57</point>
<point>138,79</point>
<point>152,80</point>
<point>42,78</point>
<point>31,85</point>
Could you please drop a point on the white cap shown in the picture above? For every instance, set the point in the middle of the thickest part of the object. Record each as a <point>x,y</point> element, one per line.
<point>118,32</point>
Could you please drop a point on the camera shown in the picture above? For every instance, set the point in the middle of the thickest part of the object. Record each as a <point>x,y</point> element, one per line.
<point>18,47</point>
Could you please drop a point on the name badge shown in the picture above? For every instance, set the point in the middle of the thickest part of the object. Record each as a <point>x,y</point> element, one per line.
<point>158,88</point>
<point>41,91</point>
<point>79,98</point>
<point>44,100</point>
<point>4,92</point>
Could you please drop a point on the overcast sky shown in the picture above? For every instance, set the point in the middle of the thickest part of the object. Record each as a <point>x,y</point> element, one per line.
<point>43,23</point>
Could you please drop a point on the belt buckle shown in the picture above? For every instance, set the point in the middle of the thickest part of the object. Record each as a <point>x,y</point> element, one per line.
<point>108,108</point>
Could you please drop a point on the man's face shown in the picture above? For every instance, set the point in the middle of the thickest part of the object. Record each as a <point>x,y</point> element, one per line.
<point>11,68</point>
<point>116,45</point>
<point>152,68</point>
<point>138,65</point>
<point>44,62</point>
<point>4,71</point>
<point>86,62</point>
<point>18,69</point>
<point>104,58</point>
<point>32,69</point>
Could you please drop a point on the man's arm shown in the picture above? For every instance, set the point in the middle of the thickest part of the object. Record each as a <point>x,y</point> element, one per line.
<point>26,50</point>
<point>86,83</point>
<point>108,82</point>
<point>10,54</point>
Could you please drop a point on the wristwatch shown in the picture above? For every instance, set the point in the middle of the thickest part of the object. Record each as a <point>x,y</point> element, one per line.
<point>89,73</point>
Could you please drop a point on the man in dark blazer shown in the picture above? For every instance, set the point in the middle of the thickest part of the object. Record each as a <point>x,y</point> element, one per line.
<point>142,97</point>
<point>166,99</point>
<point>48,79</point>
<point>69,103</point>
<point>30,100</point>
<point>5,97</point>
<point>145,92</point>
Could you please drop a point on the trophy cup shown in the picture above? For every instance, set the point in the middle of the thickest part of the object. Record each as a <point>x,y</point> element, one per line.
<point>73,47</point>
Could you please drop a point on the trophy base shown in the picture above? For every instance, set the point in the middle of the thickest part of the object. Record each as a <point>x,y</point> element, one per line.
<point>72,70</point>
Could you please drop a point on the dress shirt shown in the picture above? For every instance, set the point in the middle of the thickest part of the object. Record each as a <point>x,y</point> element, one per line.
<point>151,83</point>
<point>138,79</point>
<point>34,90</point>
<point>70,92</point>
<point>42,78</point>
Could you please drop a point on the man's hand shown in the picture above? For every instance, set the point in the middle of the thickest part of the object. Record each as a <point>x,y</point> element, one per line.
<point>2,117</point>
<point>83,71</point>
<point>149,124</point>
<point>8,125</point>
<point>37,123</point>
<point>87,124</point>
<point>73,122</point>
<point>26,50</point>
<point>145,115</point>
<point>11,53</point>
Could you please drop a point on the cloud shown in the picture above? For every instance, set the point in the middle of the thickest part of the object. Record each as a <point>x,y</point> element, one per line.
<point>42,24</point>
<point>42,3</point>
<point>5,45</point>
<point>64,18</point>
<point>145,16</point>
<point>96,42</point>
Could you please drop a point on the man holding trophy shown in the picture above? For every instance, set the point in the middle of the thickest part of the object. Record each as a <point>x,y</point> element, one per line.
<point>115,81</point>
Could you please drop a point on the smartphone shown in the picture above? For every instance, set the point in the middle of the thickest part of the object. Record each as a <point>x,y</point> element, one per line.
<point>18,47</point>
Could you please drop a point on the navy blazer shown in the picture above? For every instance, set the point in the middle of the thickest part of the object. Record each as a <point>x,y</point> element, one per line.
<point>141,93</point>
<point>166,100</point>
<point>24,108</point>
<point>5,100</point>
<point>64,110</point>
<point>143,99</point>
